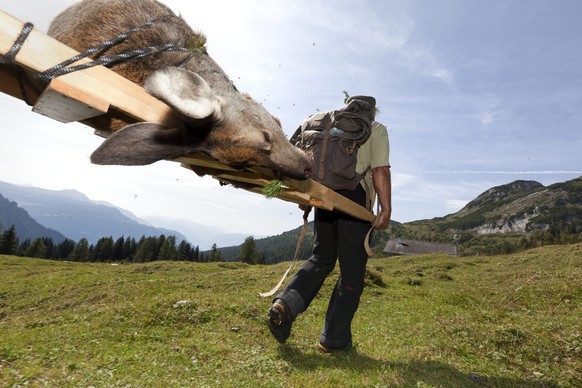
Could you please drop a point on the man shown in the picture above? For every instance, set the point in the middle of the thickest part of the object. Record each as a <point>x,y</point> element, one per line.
<point>339,237</point>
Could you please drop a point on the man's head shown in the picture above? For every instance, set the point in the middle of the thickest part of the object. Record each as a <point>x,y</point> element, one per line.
<point>368,100</point>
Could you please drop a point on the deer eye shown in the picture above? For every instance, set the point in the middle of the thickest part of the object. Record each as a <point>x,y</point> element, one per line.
<point>268,137</point>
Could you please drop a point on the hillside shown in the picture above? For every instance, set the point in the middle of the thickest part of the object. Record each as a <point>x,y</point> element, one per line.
<point>503,219</point>
<point>76,216</point>
<point>276,249</point>
<point>506,218</point>
<point>521,206</point>
<point>425,321</point>
<point>500,220</point>
<point>26,227</point>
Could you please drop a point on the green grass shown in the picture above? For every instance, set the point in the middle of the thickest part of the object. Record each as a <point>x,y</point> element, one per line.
<point>424,321</point>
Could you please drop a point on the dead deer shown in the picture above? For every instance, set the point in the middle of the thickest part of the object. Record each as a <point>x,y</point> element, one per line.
<point>215,117</point>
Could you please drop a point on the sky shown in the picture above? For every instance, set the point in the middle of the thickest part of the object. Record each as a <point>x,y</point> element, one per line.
<point>475,94</point>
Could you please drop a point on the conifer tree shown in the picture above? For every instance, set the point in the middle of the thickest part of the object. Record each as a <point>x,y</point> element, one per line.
<point>214,254</point>
<point>184,251</point>
<point>36,249</point>
<point>168,250</point>
<point>145,250</point>
<point>9,242</point>
<point>65,249</point>
<point>248,251</point>
<point>118,249</point>
<point>81,251</point>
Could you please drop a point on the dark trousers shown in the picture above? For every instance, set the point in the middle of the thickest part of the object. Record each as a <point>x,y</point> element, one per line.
<point>338,237</point>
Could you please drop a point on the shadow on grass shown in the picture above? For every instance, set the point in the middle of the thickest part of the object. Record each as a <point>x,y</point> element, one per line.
<point>412,373</point>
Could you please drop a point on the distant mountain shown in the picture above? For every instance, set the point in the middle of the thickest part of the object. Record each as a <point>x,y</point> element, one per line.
<point>507,217</point>
<point>26,227</point>
<point>204,236</point>
<point>76,216</point>
<point>519,207</point>
<point>512,210</point>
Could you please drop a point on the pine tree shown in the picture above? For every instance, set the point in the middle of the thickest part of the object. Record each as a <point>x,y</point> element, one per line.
<point>129,248</point>
<point>36,249</point>
<point>214,254</point>
<point>168,250</point>
<point>118,249</point>
<point>65,249</point>
<point>9,242</point>
<point>51,249</point>
<point>103,250</point>
<point>158,243</point>
<point>145,250</point>
<point>81,251</point>
<point>248,251</point>
<point>184,251</point>
<point>24,246</point>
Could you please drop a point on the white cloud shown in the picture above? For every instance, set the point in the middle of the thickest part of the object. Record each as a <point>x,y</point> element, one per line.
<point>456,204</point>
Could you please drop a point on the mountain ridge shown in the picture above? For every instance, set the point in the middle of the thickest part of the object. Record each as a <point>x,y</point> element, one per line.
<point>27,228</point>
<point>501,215</point>
<point>518,208</point>
<point>74,215</point>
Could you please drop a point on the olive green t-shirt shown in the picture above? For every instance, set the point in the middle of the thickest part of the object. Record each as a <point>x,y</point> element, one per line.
<point>375,152</point>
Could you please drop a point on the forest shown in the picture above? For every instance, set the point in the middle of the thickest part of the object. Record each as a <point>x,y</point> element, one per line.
<point>268,250</point>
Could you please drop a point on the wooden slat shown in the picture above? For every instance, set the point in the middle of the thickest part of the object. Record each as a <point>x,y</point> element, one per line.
<point>62,102</point>
<point>41,52</point>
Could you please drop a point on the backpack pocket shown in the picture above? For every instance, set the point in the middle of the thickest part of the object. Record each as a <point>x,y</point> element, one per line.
<point>336,168</point>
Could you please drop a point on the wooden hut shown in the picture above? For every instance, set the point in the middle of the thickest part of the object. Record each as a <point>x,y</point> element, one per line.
<point>412,247</point>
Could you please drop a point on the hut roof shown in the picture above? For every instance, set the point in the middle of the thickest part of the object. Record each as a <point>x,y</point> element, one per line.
<point>413,247</point>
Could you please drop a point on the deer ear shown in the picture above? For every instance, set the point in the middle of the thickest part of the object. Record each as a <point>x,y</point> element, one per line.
<point>185,91</point>
<point>140,144</point>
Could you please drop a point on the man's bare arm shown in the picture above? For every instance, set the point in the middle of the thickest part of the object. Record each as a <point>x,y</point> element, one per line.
<point>383,185</point>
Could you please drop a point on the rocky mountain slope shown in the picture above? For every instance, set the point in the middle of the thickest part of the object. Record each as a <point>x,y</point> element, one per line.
<point>519,207</point>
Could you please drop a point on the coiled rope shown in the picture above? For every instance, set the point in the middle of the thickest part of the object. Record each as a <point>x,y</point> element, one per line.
<point>108,60</point>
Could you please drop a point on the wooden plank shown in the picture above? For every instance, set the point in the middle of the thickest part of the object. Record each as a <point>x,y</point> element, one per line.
<point>339,202</point>
<point>41,52</point>
<point>65,103</point>
<point>298,191</point>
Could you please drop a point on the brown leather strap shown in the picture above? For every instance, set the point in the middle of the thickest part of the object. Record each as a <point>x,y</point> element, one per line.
<point>299,242</point>
<point>369,251</point>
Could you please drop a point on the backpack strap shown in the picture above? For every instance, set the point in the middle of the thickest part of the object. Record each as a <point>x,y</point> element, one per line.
<point>324,145</point>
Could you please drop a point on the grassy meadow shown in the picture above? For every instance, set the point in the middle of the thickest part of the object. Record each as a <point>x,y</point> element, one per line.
<point>424,321</point>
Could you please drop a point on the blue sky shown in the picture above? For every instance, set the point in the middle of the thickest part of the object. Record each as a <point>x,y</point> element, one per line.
<point>475,94</point>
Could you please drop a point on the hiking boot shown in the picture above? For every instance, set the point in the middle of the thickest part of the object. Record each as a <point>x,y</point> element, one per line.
<point>326,349</point>
<point>280,321</point>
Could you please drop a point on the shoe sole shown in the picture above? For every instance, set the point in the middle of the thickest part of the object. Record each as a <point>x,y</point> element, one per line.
<point>324,349</point>
<point>276,326</point>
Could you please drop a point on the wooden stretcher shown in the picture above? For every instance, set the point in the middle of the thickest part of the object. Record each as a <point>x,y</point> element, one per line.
<point>98,91</point>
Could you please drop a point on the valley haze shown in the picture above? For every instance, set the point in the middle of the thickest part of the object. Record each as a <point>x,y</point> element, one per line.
<point>75,216</point>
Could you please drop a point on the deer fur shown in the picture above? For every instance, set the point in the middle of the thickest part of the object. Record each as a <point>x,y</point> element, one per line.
<point>216,118</point>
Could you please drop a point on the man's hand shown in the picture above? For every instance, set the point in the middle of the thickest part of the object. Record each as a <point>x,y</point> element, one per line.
<point>382,220</point>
